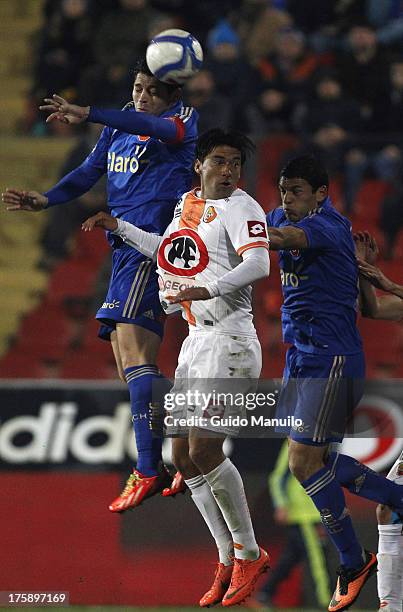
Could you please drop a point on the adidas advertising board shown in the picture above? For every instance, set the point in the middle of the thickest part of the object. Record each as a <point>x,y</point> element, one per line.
<point>88,425</point>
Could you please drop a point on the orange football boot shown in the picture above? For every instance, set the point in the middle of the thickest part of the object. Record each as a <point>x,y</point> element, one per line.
<point>139,487</point>
<point>221,582</point>
<point>177,486</point>
<point>350,583</point>
<point>244,577</point>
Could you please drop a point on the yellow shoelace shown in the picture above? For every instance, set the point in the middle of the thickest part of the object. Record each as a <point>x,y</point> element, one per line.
<point>133,478</point>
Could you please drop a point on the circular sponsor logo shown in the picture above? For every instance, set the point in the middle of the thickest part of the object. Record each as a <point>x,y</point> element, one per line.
<point>380,419</point>
<point>183,253</point>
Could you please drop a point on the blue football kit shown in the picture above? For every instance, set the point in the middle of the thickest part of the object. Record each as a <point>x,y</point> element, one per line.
<point>324,371</point>
<point>324,375</point>
<point>148,161</point>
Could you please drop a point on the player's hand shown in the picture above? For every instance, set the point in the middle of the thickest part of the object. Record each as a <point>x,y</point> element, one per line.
<point>374,275</point>
<point>101,219</point>
<point>281,516</point>
<point>16,199</point>
<point>192,294</point>
<point>366,247</point>
<point>63,111</point>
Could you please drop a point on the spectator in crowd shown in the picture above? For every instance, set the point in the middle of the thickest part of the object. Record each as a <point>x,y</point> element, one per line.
<point>64,51</point>
<point>121,34</point>
<point>198,17</point>
<point>382,155</point>
<point>387,18</point>
<point>213,108</point>
<point>388,116</point>
<point>107,84</point>
<point>328,106</point>
<point>362,69</point>
<point>258,23</point>
<point>231,72</point>
<point>270,112</point>
<point>292,64</point>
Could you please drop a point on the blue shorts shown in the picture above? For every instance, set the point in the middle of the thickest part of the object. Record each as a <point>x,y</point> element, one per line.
<point>132,294</point>
<point>320,392</point>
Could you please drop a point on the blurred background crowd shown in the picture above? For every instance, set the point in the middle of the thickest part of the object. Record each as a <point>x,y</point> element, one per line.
<point>324,76</point>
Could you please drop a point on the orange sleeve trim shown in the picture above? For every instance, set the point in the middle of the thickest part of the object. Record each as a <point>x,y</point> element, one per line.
<point>188,313</point>
<point>252,245</point>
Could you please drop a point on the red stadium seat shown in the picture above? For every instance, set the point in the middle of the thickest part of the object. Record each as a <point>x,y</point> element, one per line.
<point>23,365</point>
<point>80,365</point>
<point>73,278</point>
<point>90,246</point>
<point>368,201</point>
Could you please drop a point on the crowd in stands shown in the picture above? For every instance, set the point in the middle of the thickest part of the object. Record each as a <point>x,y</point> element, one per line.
<point>330,73</point>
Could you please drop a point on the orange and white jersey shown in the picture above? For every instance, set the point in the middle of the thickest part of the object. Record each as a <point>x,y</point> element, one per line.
<point>206,239</point>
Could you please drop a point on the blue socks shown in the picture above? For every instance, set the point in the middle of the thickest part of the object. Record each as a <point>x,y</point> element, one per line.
<point>361,480</point>
<point>325,489</point>
<point>147,428</point>
<point>327,495</point>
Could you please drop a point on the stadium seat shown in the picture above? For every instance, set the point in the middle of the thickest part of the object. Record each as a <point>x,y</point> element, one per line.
<point>22,365</point>
<point>368,201</point>
<point>80,365</point>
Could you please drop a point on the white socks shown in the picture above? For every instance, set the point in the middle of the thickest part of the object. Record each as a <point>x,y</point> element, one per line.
<point>390,566</point>
<point>227,487</point>
<point>207,506</point>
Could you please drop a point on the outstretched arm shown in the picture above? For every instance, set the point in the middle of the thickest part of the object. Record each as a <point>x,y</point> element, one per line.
<point>287,238</point>
<point>17,199</point>
<point>129,122</point>
<point>145,242</point>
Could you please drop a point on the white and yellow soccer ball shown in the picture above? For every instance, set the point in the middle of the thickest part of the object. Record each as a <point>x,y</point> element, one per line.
<point>174,56</point>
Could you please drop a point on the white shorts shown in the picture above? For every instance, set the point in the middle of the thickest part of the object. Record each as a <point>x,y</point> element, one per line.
<point>214,373</point>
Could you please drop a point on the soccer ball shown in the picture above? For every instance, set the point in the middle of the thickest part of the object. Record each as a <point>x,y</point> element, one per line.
<point>174,56</point>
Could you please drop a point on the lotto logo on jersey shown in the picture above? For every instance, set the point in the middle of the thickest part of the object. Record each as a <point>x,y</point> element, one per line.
<point>257,229</point>
<point>183,253</point>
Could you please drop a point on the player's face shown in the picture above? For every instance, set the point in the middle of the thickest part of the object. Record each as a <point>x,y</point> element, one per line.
<point>219,172</point>
<point>150,95</point>
<point>298,198</point>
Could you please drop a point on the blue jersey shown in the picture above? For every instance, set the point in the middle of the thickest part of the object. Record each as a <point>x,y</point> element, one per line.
<point>320,284</point>
<point>147,174</point>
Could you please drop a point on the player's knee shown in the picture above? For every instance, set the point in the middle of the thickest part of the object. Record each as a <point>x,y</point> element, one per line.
<point>181,459</point>
<point>197,454</point>
<point>301,465</point>
<point>206,454</point>
<point>383,514</point>
<point>121,373</point>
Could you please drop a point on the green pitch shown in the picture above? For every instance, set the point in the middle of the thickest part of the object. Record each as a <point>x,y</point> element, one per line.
<point>165,609</point>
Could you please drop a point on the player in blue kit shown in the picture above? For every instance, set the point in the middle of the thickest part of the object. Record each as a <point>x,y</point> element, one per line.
<point>147,151</point>
<point>324,372</point>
